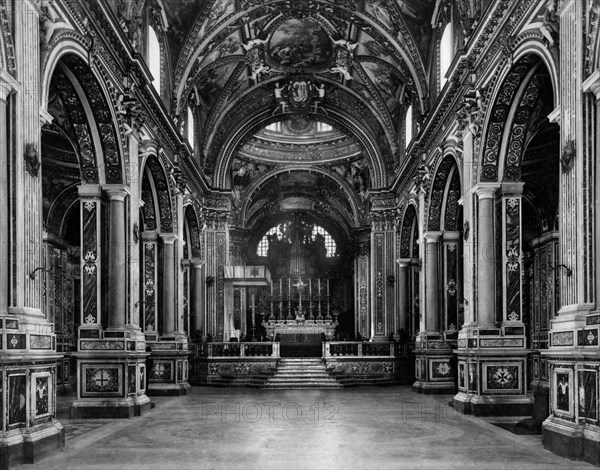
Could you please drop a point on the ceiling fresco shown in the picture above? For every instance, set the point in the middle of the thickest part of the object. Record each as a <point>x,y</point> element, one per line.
<point>243,64</point>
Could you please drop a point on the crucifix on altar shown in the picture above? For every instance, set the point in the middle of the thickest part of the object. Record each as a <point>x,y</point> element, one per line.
<point>300,310</point>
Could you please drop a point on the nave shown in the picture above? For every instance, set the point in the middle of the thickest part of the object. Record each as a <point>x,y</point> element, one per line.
<point>384,428</point>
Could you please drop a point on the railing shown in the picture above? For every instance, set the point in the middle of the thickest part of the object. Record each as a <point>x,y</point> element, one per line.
<point>250,349</point>
<point>358,349</point>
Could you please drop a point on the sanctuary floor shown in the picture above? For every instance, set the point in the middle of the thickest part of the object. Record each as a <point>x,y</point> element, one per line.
<point>361,428</point>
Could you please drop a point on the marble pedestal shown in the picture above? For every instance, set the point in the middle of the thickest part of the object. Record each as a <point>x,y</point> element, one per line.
<point>111,374</point>
<point>573,428</point>
<point>492,372</point>
<point>433,364</point>
<point>169,374</point>
<point>28,426</point>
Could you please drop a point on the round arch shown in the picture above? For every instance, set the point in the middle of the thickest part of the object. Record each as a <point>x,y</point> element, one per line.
<point>156,196</point>
<point>340,182</point>
<point>444,196</point>
<point>508,117</point>
<point>409,232</point>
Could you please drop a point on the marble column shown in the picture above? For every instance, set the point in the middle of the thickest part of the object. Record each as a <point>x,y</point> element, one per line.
<point>450,285</point>
<point>5,90</point>
<point>197,311</point>
<point>512,253</point>
<point>149,280</point>
<point>486,254</point>
<point>403,304</point>
<point>432,291</point>
<point>491,358</point>
<point>362,275</point>
<point>117,256</point>
<point>168,288</point>
<point>90,199</point>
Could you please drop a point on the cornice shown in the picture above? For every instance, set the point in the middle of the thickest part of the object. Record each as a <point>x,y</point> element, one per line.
<point>121,61</point>
<point>483,52</point>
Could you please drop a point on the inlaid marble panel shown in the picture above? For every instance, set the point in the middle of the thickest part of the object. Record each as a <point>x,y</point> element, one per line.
<point>42,392</point>
<point>502,377</point>
<point>17,399</point>
<point>587,392</point>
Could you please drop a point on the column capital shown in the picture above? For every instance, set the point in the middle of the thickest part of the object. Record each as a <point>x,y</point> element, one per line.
<point>197,263</point>
<point>7,84</point>
<point>432,236</point>
<point>512,188</point>
<point>89,190</point>
<point>404,262</point>
<point>116,192</point>
<point>168,238</point>
<point>149,236</point>
<point>485,190</point>
<point>453,236</point>
<point>592,84</point>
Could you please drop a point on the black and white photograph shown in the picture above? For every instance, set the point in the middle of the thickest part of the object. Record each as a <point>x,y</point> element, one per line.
<point>299,234</point>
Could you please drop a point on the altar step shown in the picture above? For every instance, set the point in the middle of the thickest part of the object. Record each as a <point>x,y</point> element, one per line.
<point>299,374</point>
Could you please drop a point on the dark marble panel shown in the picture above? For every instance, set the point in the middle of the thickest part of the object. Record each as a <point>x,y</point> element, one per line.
<point>41,396</point>
<point>587,337</point>
<point>562,392</point>
<point>16,341</point>
<point>588,395</point>
<point>89,334</point>
<point>17,399</point>
<point>102,380</point>
<point>472,376</point>
<point>504,377</point>
<point>131,376</point>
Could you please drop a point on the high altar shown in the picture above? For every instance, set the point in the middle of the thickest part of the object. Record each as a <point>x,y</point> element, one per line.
<point>300,307</point>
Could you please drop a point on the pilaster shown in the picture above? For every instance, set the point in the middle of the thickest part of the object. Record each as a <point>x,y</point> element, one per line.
<point>363,280</point>
<point>573,354</point>
<point>28,425</point>
<point>383,248</point>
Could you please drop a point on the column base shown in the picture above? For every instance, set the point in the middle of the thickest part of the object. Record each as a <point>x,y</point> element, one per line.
<point>173,390</point>
<point>572,441</point>
<point>108,408</point>
<point>28,446</point>
<point>478,405</point>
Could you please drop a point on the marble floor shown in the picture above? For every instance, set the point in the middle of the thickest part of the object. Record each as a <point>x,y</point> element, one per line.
<point>361,428</point>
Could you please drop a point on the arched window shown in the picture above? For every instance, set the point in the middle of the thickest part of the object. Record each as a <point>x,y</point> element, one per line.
<point>408,126</point>
<point>281,231</point>
<point>154,57</point>
<point>190,127</point>
<point>446,53</point>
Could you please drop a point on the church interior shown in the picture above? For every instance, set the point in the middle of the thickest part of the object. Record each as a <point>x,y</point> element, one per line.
<point>379,213</point>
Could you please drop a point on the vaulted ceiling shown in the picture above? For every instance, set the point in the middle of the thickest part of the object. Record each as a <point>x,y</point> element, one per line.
<point>355,65</point>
